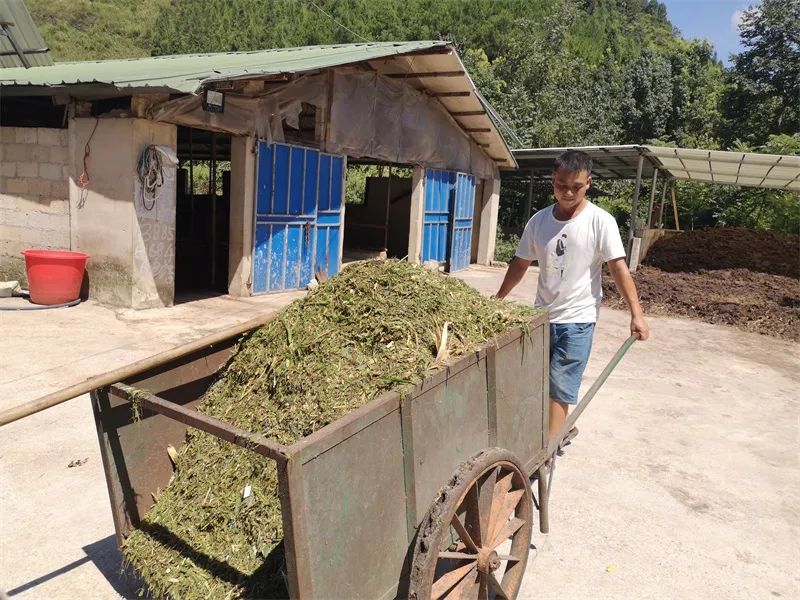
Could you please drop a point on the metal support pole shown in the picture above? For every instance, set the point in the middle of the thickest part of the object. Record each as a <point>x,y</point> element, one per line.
<point>529,199</point>
<point>191,188</point>
<point>652,198</point>
<point>661,208</point>
<point>388,208</point>
<point>212,188</point>
<point>635,202</point>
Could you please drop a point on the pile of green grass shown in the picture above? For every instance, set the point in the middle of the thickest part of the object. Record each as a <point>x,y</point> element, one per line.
<point>367,330</point>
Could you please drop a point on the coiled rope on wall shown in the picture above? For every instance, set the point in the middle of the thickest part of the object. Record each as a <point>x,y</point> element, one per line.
<point>150,170</point>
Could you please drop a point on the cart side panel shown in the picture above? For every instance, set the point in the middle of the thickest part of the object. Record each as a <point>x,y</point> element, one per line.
<point>448,424</point>
<point>520,395</point>
<point>352,508</point>
<point>134,451</point>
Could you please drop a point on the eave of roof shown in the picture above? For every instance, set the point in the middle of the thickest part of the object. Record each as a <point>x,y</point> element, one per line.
<point>430,66</point>
<point>749,169</point>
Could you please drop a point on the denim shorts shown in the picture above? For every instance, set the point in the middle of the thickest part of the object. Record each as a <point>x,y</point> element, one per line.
<point>570,345</point>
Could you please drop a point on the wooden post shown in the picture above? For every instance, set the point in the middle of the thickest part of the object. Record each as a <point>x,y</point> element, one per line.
<point>675,209</point>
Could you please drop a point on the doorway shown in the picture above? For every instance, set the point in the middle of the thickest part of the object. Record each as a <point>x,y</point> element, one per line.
<point>377,218</point>
<point>202,213</point>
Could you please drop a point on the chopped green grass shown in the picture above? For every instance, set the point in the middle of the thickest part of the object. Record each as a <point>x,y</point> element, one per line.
<point>370,329</point>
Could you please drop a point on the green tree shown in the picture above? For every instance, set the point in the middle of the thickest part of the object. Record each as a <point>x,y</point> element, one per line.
<point>697,83</point>
<point>647,98</point>
<point>764,89</point>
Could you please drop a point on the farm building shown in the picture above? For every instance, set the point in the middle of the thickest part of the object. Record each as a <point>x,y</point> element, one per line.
<point>226,173</point>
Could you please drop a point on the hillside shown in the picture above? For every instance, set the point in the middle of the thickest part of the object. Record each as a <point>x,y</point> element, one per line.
<point>96,29</point>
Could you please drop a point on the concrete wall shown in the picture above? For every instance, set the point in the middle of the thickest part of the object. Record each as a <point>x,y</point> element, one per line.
<point>490,207</point>
<point>650,237</point>
<point>154,238</point>
<point>243,180</point>
<point>132,248</point>
<point>34,195</point>
<point>417,215</point>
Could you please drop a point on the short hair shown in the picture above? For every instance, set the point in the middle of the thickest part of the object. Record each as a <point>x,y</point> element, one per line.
<point>573,160</point>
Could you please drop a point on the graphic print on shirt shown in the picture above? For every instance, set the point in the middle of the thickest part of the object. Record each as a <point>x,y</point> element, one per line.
<point>560,255</point>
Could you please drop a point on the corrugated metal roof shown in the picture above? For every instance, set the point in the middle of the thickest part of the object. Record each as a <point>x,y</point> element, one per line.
<point>26,36</point>
<point>433,66</point>
<point>749,169</point>
<point>187,73</point>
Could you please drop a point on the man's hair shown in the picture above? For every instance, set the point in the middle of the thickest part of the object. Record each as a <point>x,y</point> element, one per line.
<point>573,160</point>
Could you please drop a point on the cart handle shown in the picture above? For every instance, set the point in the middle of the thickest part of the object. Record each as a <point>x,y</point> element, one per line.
<point>601,379</point>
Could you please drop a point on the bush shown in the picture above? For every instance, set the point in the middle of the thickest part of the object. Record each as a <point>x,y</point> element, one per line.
<point>505,246</point>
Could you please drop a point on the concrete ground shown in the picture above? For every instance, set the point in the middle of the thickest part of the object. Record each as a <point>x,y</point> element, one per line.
<point>54,349</point>
<point>683,482</point>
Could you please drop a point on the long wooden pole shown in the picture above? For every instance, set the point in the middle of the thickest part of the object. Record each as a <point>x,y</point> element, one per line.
<point>115,376</point>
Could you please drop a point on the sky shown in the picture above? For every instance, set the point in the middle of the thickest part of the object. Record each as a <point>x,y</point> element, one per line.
<point>714,20</point>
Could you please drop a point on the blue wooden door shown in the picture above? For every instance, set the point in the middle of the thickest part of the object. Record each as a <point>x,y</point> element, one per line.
<point>296,218</point>
<point>461,222</point>
<point>439,191</point>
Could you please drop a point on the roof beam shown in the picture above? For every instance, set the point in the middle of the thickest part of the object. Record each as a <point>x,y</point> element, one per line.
<point>425,74</point>
<point>710,169</point>
<point>615,157</point>
<point>683,164</point>
<point>790,182</point>
<point>766,175</point>
<point>468,113</point>
<point>443,49</point>
<point>29,51</point>
<point>6,32</point>
<point>451,94</point>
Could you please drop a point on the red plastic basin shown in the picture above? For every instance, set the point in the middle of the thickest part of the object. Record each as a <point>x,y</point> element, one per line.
<point>54,276</point>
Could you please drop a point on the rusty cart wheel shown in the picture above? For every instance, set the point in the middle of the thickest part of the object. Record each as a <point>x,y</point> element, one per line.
<point>474,541</point>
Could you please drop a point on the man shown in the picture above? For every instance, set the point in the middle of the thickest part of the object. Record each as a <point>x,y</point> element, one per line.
<point>571,240</point>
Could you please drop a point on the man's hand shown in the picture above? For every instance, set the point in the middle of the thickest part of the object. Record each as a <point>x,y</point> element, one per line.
<point>639,327</point>
<point>627,289</point>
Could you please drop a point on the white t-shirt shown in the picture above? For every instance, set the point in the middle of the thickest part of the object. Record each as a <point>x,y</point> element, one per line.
<point>571,256</point>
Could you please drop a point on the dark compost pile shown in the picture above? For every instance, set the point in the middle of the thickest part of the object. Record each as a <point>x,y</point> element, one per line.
<point>741,277</point>
<point>375,326</point>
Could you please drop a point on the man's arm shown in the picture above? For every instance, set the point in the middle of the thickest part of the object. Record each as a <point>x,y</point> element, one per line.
<point>622,277</point>
<point>516,271</point>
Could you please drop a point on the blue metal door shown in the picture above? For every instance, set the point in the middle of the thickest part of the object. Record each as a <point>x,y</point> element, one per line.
<point>439,191</point>
<point>447,222</point>
<point>297,217</point>
<point>461,236</point>
<point>330,206</point>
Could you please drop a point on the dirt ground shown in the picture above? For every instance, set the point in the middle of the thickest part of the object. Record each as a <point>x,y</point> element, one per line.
<point>675,486</point>
<point>740,277</point>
